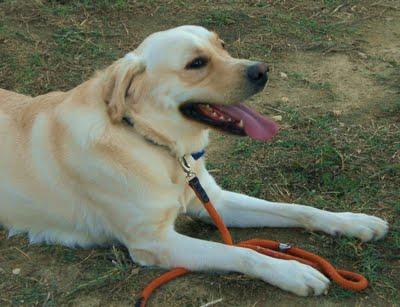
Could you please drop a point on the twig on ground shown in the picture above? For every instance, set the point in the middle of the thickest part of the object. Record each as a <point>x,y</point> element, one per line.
<point>212,302</point>
<point>24,254</point>
<point>337,8</point>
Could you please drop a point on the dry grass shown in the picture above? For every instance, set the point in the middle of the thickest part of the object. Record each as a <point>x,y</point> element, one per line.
<point>339,146</point>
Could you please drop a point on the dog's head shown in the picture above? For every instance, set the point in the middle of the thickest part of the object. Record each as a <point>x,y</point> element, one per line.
<point>181,81</point>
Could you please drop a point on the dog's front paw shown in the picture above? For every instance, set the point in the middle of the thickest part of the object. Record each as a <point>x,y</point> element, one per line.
<point>296,277</point>
<point>362,226</point>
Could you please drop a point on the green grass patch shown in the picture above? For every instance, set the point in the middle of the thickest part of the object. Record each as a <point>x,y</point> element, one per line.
<point>340,163</point>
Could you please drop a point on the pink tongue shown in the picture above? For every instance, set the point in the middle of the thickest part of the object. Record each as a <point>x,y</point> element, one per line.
<point>256,126</point>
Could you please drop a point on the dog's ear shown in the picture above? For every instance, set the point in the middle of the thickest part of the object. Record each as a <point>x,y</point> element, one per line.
<point>117,81</point>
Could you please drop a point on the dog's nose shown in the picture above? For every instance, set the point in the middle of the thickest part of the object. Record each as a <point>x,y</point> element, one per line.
<point>258,73</point>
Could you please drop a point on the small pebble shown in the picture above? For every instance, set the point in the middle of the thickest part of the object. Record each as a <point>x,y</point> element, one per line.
<point>277,118</point>
<point>363,55</point>
<point>283,75</point>
<point>16,271</point>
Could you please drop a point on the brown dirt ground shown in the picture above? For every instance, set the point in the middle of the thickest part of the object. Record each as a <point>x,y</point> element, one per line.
<point>340,82</point>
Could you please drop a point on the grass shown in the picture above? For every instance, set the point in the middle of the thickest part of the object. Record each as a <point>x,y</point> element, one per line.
<point>336,150</point>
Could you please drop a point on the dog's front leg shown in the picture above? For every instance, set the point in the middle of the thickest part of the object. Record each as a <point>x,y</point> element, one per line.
<point>176,250</point>
<point>238,210</point>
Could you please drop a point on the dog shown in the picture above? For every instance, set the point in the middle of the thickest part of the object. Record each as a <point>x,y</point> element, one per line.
<point>100,163</point>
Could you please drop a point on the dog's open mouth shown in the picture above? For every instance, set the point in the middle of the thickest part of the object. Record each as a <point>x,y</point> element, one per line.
<point>236,119</point>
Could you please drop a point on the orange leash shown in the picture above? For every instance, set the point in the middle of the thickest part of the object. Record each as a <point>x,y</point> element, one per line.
<point>345,279</point>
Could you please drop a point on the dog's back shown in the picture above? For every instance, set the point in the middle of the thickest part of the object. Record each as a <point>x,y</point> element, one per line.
<point>24,137</point>
<point>10,101</point>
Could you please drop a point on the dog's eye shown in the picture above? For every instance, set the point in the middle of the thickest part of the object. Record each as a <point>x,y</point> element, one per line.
<point>197,63</point>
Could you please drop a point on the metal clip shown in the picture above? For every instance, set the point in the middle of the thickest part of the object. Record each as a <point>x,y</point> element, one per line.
<point>187,168</point>
<point>283,247</point>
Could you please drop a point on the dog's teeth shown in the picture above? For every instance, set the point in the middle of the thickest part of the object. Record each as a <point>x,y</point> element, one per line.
<point>229,119</point>
<point>241,124</point>
<point>214,114</point>
<point>222,118</point>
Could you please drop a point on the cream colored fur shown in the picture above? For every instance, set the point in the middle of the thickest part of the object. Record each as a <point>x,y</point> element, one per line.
<point>71,172</point>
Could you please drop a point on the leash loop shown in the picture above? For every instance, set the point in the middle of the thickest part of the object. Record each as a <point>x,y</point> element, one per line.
<point>345,279</point>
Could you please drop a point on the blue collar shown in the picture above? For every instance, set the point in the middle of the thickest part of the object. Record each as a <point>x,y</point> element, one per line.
<point>198,154</point>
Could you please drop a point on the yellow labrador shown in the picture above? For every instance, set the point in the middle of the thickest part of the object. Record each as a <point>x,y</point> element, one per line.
<point>99,163</point>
